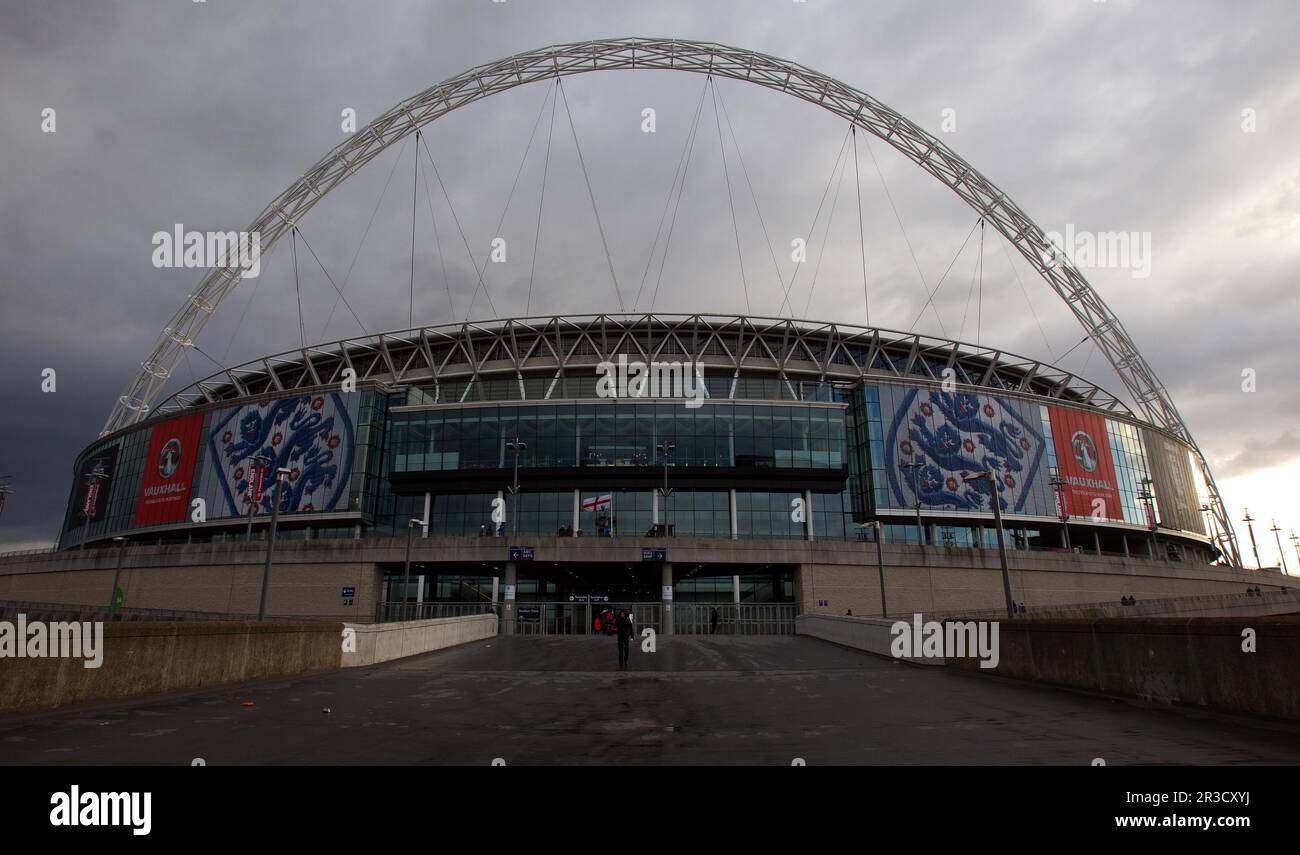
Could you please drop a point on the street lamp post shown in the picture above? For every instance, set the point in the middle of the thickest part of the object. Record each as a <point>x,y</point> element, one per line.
<point>406,572</point>
<point>5,491</point>
<point>666,448</point>
<point>994,499</point>
<point>1061,511</point>
<point>1248,519</point>
<point>270,538</point>
<point>117,576</point>
<point>255,490</point>
<point>1148,502</point>
<point>516,445</point>
<point>880,564</point>
<point>1295,541</point>
<point>915,467</point>
<point>1280,554</point>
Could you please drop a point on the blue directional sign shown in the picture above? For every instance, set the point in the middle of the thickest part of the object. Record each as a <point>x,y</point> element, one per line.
<point>654,555</point>
<point>521,553</point>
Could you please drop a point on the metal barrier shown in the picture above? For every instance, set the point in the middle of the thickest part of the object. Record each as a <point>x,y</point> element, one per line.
<point>10,609</point>
<point>732,619</point>
<point>393,612</point>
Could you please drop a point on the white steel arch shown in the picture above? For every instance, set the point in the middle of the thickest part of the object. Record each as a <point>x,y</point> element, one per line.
<point>864,111</point>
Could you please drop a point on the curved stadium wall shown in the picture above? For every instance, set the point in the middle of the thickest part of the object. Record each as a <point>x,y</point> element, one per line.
<point>859,423</point>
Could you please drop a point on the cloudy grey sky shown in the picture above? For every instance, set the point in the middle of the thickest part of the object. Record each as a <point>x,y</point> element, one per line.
<point>1114,116</point>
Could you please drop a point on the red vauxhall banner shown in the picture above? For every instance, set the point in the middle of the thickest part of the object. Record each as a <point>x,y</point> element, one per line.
<point>1083,460</point>
<point>168,471</point>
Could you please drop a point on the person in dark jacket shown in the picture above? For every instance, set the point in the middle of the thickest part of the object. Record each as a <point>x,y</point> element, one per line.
<point>713,622</point>
<point>624,627</point>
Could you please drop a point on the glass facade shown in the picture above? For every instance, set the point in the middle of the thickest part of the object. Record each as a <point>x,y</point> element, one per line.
<point>806,441</point>
<point>623,434</point>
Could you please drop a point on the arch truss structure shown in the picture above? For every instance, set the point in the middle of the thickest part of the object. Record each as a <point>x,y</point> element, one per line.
<point>1149,395</point>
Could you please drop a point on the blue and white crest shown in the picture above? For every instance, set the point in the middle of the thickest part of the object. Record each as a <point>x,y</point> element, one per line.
<point>310,435</point>
<point>957,434</point>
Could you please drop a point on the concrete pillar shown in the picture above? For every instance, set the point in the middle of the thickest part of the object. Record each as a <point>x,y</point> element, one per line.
<point>1124,538</point>
<point>501,494</point>
<point>735,590</point>
<point>735,533</point>
<point>577,510</point>
<point>654,506</point>
<point>508,612</point>
<point>428,507</point>
<point>1096,542</point>
<point>807,515</point>
<point>666,599</point>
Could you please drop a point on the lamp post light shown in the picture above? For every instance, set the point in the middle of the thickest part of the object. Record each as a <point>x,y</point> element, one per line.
<point>255,488</point>
<point>915,467</point>
<point>666,449</point>
<point>406,572</point>
<point>880,564</point>
<point>117,576</point>
<point>270,538</point>
<point>93,480</point>
<point>1058,484</point>
<point>5,491</point>
<point>996,502</point>
<point>1248,519</point>
<point>516,445</point>
<point>1280,554</point>
<point>1295,541</point>
<point>1148,501</point>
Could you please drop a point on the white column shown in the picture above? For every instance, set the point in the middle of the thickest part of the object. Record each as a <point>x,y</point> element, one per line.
<point>807,515</point>
<point>735,533</point>
<point>428,504</point>
<point>654,505</point>
<point>577,510</point>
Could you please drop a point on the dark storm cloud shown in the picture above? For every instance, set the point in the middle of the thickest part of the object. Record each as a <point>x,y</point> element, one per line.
<point>1109,116</point>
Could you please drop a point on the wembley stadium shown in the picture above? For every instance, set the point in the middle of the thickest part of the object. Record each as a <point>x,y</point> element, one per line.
<point>682,463</point>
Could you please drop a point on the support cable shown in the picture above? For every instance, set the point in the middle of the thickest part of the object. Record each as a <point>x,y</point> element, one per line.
<point>587,178</point>
<point>415,193</point>
<point>437,241</point>
<point>930,300</point>
<point>541,202</point>
<point>681,159</point>
<point>464,240</point>
<point>735,227</point>
<point>843,166</point>
<point>862,243</point>
<point>298,233</point>
<point>916,264</point>
<point>1028,302</point>
<point>302,333</point>
<point>735,143</point>
<point>541,110</point>
<point>681,191</point>
<point>835,168</point>
<point>348,276</point>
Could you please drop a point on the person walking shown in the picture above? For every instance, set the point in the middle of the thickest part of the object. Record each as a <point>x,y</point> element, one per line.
<point>624,626</point>
<point>713,621</point>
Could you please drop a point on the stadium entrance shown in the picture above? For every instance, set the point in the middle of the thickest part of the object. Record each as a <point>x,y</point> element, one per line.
<point>584,598</point>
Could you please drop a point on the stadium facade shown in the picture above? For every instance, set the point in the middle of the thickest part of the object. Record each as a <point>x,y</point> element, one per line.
<point>763,430</point>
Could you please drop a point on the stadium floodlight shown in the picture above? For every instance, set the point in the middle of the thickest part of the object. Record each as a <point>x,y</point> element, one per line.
<point>996,501</point>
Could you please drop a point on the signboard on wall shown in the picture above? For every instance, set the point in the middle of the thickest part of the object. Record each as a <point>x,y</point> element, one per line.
<point>168,470</point>
<point>93,493</point>
<point>953,435</point>
<point>1084,463</point>
<point>1175,486</point>
<point>311,435</point>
